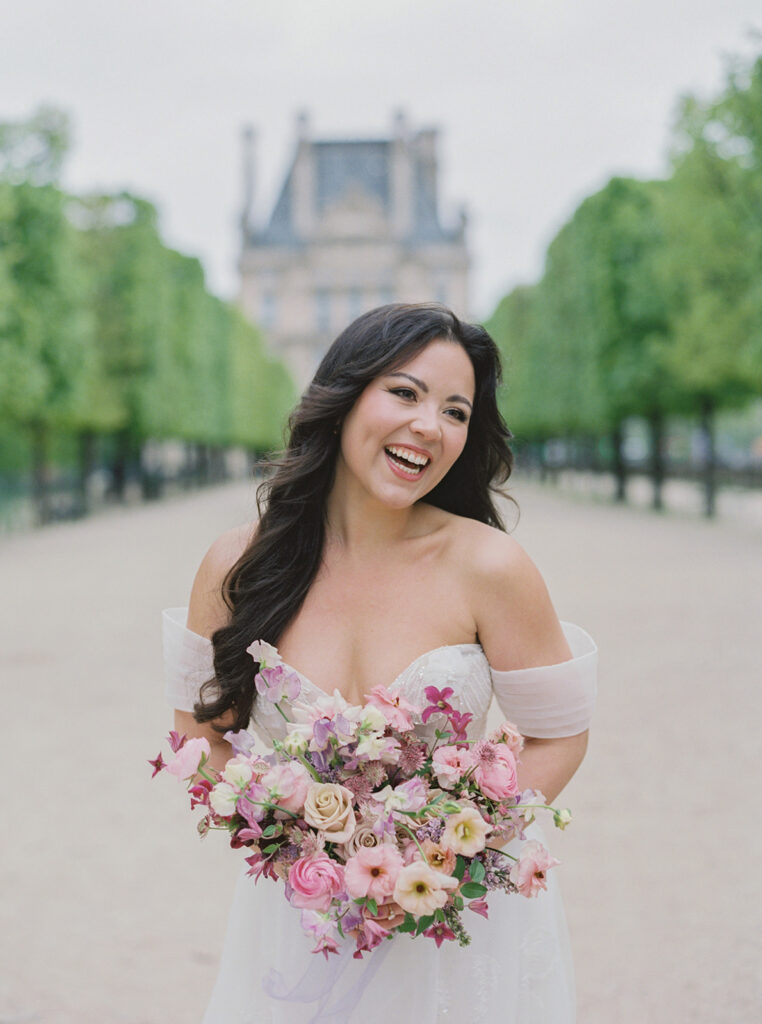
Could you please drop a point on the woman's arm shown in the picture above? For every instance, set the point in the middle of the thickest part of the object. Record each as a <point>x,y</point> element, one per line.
<point>207,612</point>
<point>518,628</point>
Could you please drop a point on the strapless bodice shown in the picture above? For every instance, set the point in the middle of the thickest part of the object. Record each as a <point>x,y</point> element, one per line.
<point>553,700</point>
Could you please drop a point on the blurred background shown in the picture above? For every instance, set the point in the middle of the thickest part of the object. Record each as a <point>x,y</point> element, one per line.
<point>194,200</point>
<point>194,203</point>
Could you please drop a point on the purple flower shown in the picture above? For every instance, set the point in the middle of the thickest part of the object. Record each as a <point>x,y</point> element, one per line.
<point>322,730</point>
<point>438,702</point>
<point>278,682</point>
<point>249,804</point>
<point>242,741</point>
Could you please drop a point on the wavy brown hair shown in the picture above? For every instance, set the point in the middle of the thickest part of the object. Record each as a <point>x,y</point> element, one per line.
<point>266,587</point>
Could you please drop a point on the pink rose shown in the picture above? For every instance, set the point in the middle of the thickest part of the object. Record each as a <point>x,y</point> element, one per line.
<point>315,881</point>
<point>373,872</point>
<point>287,785</point>
<point>508,733</point>
<point>186,760</point>
<point>528,874</point>
<point>495,772</point>
<point>450,764</point>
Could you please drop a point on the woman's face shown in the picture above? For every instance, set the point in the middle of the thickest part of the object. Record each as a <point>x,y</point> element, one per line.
<point>409,426</point>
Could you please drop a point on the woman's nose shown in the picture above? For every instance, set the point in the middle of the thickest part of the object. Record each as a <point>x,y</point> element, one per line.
<point>426,423</point>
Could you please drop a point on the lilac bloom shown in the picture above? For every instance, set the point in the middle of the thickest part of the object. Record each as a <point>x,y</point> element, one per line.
<point>438,701</point>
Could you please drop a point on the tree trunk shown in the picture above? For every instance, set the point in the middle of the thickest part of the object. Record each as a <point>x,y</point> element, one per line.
<point>656,429</point>
<point>85,468</point>
<point>619,467</point>
<point>710,457</point>
<point>40,475</point>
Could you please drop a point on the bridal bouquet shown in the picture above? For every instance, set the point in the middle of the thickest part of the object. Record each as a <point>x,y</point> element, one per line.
<point>372,830</point>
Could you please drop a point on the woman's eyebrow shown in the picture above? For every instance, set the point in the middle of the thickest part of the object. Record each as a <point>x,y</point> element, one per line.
<point>424,387</point>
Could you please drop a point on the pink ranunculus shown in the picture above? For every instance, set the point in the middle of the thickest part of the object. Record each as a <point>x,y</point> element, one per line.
<point>450,764</point>
<point>495,771</point>
<point>373,872</point>
<point>186,760</point>
<point>396,710</point>
<point>287,785</point>
<point>508,733</point>
<point>315,881</point>
<point>529,872</point>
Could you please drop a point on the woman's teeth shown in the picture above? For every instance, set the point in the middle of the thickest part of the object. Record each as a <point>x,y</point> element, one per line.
<point>412,463</point>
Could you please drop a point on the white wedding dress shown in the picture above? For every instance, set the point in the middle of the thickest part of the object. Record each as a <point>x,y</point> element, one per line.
<point>517,969</point>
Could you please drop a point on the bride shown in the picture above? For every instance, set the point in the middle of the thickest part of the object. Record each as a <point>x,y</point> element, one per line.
<point>380,557</point>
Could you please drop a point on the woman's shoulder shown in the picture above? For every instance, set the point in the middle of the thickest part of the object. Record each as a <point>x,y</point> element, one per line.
<point>516,622</point>
<point>207,610</point>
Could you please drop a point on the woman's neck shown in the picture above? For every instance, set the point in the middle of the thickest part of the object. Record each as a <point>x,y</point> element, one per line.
<point>358,522</point>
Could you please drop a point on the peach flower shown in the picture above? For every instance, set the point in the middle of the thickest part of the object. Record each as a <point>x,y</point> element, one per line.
<point>529,872</point>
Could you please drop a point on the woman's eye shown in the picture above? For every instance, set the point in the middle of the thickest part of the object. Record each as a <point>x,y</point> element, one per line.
<point>457,414</point>
<point>403,392</point>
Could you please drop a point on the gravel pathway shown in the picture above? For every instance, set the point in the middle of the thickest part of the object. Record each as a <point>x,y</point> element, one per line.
<point>113,911</point>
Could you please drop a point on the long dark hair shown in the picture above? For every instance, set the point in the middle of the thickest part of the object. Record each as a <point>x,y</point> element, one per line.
<point>266,587</point>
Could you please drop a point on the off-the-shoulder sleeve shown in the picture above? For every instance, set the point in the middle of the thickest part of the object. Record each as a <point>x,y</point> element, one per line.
<point>552,700</point>
<point>188,659</point>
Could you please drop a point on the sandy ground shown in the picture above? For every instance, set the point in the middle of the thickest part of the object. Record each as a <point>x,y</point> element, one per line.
<point>113,911</point>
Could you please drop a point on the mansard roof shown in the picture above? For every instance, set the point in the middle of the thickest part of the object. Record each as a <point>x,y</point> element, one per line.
<point>341,165</point>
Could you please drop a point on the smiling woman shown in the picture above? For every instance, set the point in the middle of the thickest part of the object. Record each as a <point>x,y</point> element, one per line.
<point>380,559</point>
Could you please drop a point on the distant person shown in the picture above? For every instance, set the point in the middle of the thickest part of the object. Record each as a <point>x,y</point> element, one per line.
<point>380,557</point>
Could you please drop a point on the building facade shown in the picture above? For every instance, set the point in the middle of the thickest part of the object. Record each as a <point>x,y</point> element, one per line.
<point>356,224</point>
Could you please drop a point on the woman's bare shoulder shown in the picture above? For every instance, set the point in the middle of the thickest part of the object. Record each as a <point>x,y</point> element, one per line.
<point>207,611</point>
<point>517,624</point>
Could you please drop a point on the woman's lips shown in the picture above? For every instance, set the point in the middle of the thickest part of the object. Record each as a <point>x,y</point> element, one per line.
<point>404,474</point>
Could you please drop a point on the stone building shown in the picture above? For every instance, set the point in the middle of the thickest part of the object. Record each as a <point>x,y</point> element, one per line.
<point>356,225</point>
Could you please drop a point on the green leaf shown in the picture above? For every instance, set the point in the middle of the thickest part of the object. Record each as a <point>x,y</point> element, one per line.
<point>460,868</point>
<point>272,830</point>
<point>408,925</point>
<point>423,923</point>
<point>372,906</point>
<point>457,902</point>
<point>439,914</point>
<point>271,848</point>
<point>472,890</point>
<point>477,871</point>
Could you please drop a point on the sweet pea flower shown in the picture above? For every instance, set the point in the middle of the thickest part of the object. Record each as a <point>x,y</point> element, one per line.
<point>529,873</point>
<point>372,872</point>
<point>396,710</point>
<point>420,890</point>
<point>450,764</point>
<point>287,785</point>
<point>250,804</point>
<point>276,683</point>
<point>495,770</point>
<point>465,832</point>
<point>186,761</point>
<point>315,881</point>
<point>265,654</point>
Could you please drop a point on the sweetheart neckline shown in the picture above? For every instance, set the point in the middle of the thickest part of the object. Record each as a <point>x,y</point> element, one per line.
<point>395,681</point>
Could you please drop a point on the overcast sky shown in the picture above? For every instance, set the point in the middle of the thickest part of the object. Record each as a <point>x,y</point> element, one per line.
<point>539,101</point>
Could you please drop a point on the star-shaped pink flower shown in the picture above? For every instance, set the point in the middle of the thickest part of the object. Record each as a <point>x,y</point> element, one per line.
<point>158,763</point>
<point>438,702</point>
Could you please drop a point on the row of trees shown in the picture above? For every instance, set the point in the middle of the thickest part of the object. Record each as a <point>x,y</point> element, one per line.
<point>108,338</point>
<point>650,304</point>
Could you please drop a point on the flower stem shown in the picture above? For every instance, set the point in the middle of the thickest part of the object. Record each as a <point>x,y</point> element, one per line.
<point>414,837</point>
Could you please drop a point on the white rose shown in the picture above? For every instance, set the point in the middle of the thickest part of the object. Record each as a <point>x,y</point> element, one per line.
<point>328,807</point>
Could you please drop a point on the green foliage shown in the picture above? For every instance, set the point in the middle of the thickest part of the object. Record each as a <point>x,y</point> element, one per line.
<point>104,331</point>
<point>650,303</point>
